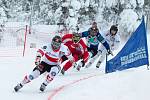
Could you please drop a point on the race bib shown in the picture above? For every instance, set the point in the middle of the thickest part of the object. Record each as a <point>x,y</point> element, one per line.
<point>93,40</point>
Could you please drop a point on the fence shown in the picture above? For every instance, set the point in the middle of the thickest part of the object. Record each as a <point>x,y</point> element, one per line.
<point>17,41</point>
<point>12,40</point>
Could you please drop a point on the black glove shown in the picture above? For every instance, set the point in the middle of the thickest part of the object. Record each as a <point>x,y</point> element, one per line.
<point>83,63</point>
<point>109,52</point>
<point>37,60</point>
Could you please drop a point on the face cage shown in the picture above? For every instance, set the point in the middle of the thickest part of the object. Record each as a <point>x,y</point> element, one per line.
<point>113,32</point>
<point>76,39</point>
<point>56,45</point>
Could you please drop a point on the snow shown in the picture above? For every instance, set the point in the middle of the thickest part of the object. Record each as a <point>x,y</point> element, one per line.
<point>88,84</point>
<point>111,3</point>
<point>126,85</point>
<point>128,22</point>
<point>75,4</point>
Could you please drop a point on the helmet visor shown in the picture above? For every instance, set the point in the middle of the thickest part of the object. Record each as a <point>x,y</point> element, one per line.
<point>56,44</point>
<point>76,38</point>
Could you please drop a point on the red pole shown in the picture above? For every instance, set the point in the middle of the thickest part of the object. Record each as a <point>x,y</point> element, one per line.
<point>25,36</point>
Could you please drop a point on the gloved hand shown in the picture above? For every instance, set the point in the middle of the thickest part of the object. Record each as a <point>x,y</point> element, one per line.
<point>72,59</point>
<point>83,63</point>
<point>99,52</point>
<point>80,64</point>
<point>37,60</point>
<point>109,52</point>
<point>74,65</point>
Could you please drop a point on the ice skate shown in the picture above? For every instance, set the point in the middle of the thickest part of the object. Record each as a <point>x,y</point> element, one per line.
<point>98,64</point>
<point>63,72</point>
<point>80,64</point>
<point>88,65</point>
<point>18,87</point>
<point>43,87</point>
<point>78,67</point>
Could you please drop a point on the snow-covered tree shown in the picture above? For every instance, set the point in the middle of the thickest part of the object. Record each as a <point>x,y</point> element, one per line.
<point>128,22</point>
<point>71,13</point>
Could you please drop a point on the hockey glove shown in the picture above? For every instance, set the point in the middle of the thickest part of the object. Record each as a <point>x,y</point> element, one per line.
<point>38,59</point>
<point>109,52</point>
<point>74,65</point>
<point>81,64</point>
<point>71,58</point>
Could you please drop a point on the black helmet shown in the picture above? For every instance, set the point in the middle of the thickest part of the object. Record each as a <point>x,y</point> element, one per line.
<point>76,37</point>
<point>56,42</point>
<point>94,23</point>
<point>114,27</point>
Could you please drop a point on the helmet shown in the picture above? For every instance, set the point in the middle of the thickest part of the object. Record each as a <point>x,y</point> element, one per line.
<point>113,28</point>
<point>76,37</point>
<point>56,42</point>
<point>94,25</point>
<point>93,31</point>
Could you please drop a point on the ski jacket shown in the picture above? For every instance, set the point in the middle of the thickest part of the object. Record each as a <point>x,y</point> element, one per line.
<point>93,41</point>
<point>52,57</point>
<point>79,48</point>
<point>113,41</point>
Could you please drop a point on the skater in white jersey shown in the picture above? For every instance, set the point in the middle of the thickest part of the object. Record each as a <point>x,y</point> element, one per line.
<point>47,60</point>
<point>113,39</point>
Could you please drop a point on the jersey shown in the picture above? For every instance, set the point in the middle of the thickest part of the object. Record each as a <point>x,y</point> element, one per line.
<point>52,57</point>
<point>79,48</point>
<point>113,41</point>
<point>93,41</point>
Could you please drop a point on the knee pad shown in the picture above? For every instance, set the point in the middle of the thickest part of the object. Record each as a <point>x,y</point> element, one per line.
<point>54,71</point>
<point>31,77</point>
<point>53,74</point>
<point>34,74</point>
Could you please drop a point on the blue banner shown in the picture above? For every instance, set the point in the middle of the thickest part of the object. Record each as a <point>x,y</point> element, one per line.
<point>133,54</point>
